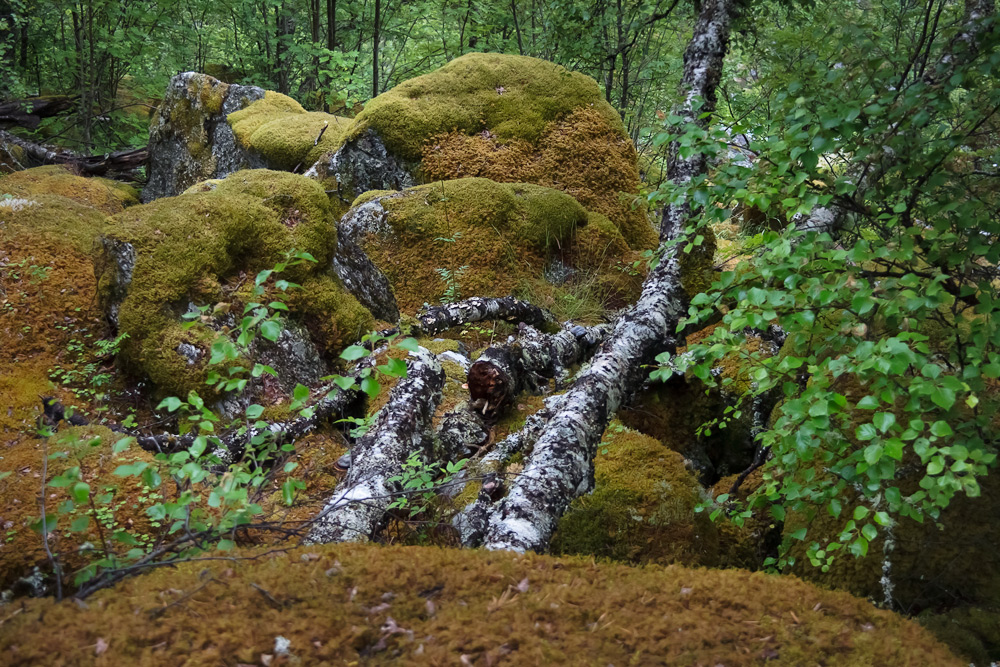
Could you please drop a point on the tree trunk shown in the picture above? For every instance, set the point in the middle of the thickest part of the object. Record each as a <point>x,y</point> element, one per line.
<point>331,24</point>
<point>121,163</point>
<point>561,463</point>
<point>361,500</point>
<point>375,41</point>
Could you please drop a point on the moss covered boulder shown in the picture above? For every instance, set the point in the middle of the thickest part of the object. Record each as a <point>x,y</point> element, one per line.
<point>642,508</point>
<point>467,237</point>
<point>203,248</point>
<point>418,605</point>
<point>504,117</point>
<point>279,133</point>
<point>189,138</point>
<point>103,194</point>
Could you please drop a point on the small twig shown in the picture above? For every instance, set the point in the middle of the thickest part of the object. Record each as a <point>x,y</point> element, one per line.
<point>45,529</point>
<point>320,136</point>
<point>270,598</point>
<point>156,613</point>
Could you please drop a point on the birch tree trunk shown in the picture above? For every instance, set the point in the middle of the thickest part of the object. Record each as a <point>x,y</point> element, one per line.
<point>561,463</point>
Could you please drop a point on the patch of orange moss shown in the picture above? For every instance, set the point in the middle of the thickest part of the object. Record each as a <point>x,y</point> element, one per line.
<point>334,604</point>
<point>88,448</point>
<point>583,154</point>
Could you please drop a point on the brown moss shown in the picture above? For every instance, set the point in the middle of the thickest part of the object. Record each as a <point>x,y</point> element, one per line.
<point>501,233</point>
<point>642,507</point>
<point>333,604</point>
<point>105,195</point>
<point>585,154</point>
<point>88,448</point>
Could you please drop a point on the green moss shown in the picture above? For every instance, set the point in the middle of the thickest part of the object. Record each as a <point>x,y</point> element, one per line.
<point>463,602</point>
<point>105,195</point>
<point>245,225</point>
<point>973,632</point>
<point>502,233</point>
<point>511,96</point>
<point>598,243</point>
<point>332,315</point>
<point>283,133</point>
<point>55,218</point>
<point>642,506</point>
<point>439,345</point>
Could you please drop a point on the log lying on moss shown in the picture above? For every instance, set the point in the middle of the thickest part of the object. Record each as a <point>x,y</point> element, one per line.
<point>503,371</point>
<point>561,463</point>
<point>477,309</point>
<point>361,500</point>
<point>121,163</point>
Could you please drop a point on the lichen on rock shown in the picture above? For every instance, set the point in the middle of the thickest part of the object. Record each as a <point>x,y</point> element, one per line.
<point>189,138</point>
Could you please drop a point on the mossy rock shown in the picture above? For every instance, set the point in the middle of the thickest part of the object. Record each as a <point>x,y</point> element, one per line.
<point>511,119</point>
<point>642,508</point>
<point>393,605</point>
<point>199,249</point>
<point>189,138</point>
<point>283,134</point>
<point>501,233</point>
<point>513,97</point>
<point>107,196</point>
<point>972,632</point>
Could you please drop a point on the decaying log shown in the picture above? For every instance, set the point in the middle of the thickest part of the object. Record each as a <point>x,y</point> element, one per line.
<point>30,112</point>
<point>561,463</point>
<point>358,507</point>
<point>471,522</point>
<point>503,371</point>
<point>477,309</point>
<point>121,162</point>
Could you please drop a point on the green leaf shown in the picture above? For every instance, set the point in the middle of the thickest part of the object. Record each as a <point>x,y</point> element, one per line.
<point>270,329</point>
<point>254,411</point>
<point>943,397</point>
<point>868,403</point>
<point>941,429</point>
<point>353,353</point>
<point>171,403</point>
<point>884,421</point>
<point>122,445</point>
<point>370,386</point>
<point>408,344</point>
<point>80,524</point>
<point>225,545</point>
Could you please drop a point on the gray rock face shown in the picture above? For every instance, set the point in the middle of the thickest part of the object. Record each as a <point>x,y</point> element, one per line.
<point>121,256</point>
<point>190,140</point>
<point>360,276</point>
<point>364,164</point>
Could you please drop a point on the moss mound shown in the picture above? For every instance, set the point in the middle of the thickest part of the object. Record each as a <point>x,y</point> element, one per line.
<point>434,606</point>
<point>501,233</point>
<point>103,194</point>
<point>642,507</point>
<point>513,97</point>
<point>284,134</point>
<point>201,247</point>
<point>585,154</point>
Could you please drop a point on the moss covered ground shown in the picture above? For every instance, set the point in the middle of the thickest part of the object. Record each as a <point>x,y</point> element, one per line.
<point>346,604</point>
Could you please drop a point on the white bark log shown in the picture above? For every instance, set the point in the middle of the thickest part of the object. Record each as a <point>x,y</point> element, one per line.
<point>358,507</point>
